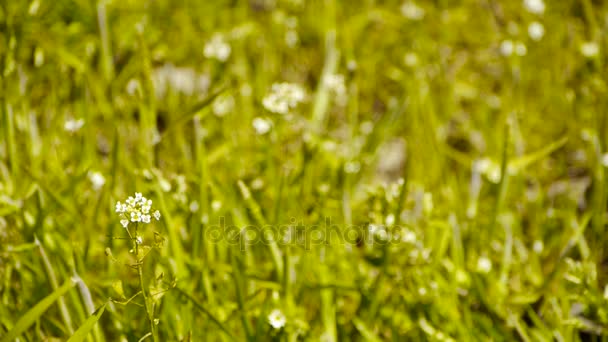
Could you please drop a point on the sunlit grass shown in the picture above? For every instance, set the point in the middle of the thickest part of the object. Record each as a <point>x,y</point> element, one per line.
<point>322,170</point>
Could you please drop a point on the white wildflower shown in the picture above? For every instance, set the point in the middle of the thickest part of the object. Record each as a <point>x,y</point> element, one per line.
<point>538,246</point>
<point>536,31</point>
<point>520,49</point>
<point>223,105</point>
<point>283,97</point>
<point>72,125</point>
<point>335,84</point>
<point>484,265</point>
<point>412,11</point>
<point>535,6</point>
<point>261,125</point>
<point>135,216</point>
<point>277,319</point>
<point>194,206</point>
<point>506,48</point>
<point>409,236</point>
<point>390,219</point>
<point>291,38</point>
<point>135,209</point>
<point>410,59</point>
<point>590,49</point>
<point>97,179</point>
<point>216,205</point>
<point>157,215</point>
<point>217,48</point>
<point>139,240</point>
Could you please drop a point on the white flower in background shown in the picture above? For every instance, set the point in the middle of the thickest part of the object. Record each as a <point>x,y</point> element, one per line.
<point>484,265</point>
<point>412,11</point>
<point>133,86</point>
<point>335,84</point>
<point>283,97</point>
<point>291,38</point>
<point>605,159</point>
<point>520,49</point>
<point>261,125</point>
<point>538,247</point>
<point>506,48</point>
<point>378,231</point>
<point>223,105</point>
<point>536,31</point>
<point>135,209</point>
<point>194,206</point>
<point>409,236</point>
<point>217,48</point>
<point>97,179</point>
<point>535,6</point>
<point>72,125</point>
<point>590,49</point>
<point>277,319</point>
<point>182,80</point>
<point>410,59</point>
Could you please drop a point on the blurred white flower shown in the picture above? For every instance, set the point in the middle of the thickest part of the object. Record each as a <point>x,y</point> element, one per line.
<point>605,159</point>
<point>538,246</point>
<point>484,265</point>
<point>535,6</point>
<point>520,49</point>
<point>410,59</point>
<point>412,11</point>
<point>335,84</point>
<point>536,31</point>
<point>72,125</point>
<point>97,179</point>
<point>590,49</point>
<point>182,80</point>
<point>261,125</point>
<point>194,206</point>
<point>390,219</point>
<point>506,48</point>
<point>283,97</point>
<point>277,319</point>
<point>291,38</point>
<point>223,105</point>
<point>217,48</point>
<point>408,236</point>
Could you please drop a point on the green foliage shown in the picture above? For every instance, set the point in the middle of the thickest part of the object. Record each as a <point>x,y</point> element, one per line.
<point>323,170</point>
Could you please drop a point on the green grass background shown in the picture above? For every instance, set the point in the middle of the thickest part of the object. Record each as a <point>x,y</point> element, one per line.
<point>479,155</point>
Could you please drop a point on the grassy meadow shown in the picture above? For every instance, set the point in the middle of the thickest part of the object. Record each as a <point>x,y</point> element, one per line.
<point>303,170</point>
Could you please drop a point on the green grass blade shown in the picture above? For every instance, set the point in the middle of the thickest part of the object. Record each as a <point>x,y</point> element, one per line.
<point>83,331</point>
<point>34,313</point>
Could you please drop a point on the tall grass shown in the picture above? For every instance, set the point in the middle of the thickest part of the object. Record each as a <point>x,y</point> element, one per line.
<point>443,178</point>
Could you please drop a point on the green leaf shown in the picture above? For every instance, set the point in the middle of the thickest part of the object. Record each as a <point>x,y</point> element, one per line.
<point>34,313</point>
<point>84,330</point>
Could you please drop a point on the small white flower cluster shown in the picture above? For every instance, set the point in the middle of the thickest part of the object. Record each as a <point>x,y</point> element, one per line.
<point>217,48</point>
<point>277,319</point>
<point>72,125</point>
<point>261,125</point>
<point>508,47</point>
<point>535,6</point>
<point>412,11</point>
<point>136,209</point>
<point>97,179</point>
<point>536,31</point>
<point>590,49</point>
<point>336,85</point>
<point>283,97</point>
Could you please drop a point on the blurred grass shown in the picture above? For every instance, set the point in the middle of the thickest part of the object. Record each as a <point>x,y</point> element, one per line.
<point>463,154</point>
